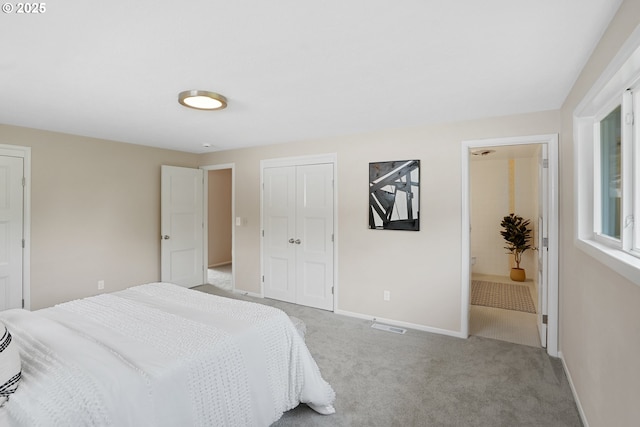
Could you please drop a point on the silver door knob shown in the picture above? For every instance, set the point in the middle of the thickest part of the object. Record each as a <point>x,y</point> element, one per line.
<point>290,240</point>
<point>165,237</point>
<point>298,241</point>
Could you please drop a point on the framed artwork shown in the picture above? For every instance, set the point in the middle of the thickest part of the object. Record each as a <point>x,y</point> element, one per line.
<point>394,195</point>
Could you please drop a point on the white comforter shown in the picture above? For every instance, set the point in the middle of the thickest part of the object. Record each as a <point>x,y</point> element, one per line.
<point>160,355</point>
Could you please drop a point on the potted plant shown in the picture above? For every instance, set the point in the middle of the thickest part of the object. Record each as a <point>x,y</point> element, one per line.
<point>517,234</point>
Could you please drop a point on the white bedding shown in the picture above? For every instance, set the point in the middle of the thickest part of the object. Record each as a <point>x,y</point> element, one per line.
<point>160,355</point>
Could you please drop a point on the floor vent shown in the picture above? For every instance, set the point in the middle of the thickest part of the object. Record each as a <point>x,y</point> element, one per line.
<point>388,328</point>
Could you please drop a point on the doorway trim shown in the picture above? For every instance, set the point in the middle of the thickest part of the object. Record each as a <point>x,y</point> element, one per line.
<point>552,274</point>
<point>296,161</point>
<point>205,227</point>
<point>24,153</point>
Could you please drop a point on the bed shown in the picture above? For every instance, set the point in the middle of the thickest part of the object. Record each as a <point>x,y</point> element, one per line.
<point>161,355</point>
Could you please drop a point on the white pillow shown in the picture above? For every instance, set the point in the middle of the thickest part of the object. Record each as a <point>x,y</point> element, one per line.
<point>10,367</point>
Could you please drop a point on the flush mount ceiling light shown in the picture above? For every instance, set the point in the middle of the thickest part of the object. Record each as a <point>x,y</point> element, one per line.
<point>202,100</point>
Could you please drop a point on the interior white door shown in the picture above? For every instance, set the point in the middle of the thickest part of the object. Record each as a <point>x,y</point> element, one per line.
<point>182,235</point>
<point>279,212</point>
<point>314,235</point>
<point>298,234</point>
<point>11,231</point>
<point>543,245</point>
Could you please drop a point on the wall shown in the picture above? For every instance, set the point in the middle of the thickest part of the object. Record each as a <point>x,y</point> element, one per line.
<point>525,202</point>
<point>599,309</point>
<point>420,269</point>
<point>489,196</point>
<point>219,217</point>
<point>491,200</point>
<point>95,213</point>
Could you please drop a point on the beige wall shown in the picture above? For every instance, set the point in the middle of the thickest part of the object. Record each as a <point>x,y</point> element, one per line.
<point>420,269</point>
<point>95,213</point>
<point>219,217</point>
<point>491,201</point>
<point>599,309</point>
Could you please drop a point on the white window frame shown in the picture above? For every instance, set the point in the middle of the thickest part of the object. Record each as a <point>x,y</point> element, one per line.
<point>610,90</point>
<point>625,242</point>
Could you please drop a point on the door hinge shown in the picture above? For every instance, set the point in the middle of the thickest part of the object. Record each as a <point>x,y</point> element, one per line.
<point>545,163</point>
<point>545,319</point>
<point>262,279</point>
<point>332,238</point>
<point>24,181</point>
<point>23,243</point>
<point>628,118</point>
<point>332,290</point>
<point>22,302</point>
<point>262,233</point>
<point>545,242</point>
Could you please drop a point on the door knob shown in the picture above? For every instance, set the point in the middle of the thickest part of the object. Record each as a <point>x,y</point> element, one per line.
<point>290,240</point>
<point>165,237</point>
<point>298,241</point>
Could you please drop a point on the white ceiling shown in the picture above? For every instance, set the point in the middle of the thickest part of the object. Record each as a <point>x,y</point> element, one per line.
<point>292,70</point>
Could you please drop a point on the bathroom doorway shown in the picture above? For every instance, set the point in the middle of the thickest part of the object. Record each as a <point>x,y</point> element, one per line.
<point>501,176</point>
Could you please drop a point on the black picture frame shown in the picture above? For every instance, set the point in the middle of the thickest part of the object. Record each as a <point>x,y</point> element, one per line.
<point>394,195</point>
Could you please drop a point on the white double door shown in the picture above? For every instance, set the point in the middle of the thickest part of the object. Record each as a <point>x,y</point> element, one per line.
<point>298,234</point>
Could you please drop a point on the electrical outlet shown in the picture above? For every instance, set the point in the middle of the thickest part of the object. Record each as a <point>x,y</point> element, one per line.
<point>387,295</point>
<point>100,284</point>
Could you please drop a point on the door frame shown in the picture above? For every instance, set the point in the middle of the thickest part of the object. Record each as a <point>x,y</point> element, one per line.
<point>205,196</point>
<point>297,161</point>
<point>24,153</point>
<point>552,198</point>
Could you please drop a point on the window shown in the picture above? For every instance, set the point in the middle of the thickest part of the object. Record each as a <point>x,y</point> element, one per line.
<point>607,161</point>
<point>614,171</point>
<point>610,193</point>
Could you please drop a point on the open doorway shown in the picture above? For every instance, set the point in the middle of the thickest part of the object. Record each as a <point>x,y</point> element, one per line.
<point>219,229</point>
<point>503,180</point>
<point>524,181</point>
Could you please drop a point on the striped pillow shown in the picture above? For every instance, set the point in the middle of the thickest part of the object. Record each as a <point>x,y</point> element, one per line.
<point>10,367</point>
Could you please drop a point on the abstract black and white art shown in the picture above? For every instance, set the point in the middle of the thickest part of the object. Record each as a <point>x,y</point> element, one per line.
<point>394,195</point>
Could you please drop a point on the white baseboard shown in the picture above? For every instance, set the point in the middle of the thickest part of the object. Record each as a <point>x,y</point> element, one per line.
<point>408,325</point>
<point>219,264</point>
<point>583,417</point>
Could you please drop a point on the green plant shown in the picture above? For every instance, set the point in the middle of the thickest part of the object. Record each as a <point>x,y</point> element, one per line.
<point>517,234</point>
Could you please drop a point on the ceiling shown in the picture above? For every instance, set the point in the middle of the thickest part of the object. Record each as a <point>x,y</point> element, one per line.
<point>292,70</point>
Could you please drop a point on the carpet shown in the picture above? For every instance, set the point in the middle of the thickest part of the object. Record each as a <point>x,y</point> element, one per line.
<point>502,295</point>
<point>425,379</point>
<point>220,276</point>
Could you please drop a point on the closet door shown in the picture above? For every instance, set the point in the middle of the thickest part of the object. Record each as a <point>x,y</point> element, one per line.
<point>298,234</point>
<point>279,211</point>
<point>314,232</point>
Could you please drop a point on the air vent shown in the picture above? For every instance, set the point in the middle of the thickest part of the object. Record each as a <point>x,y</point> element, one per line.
<point>389,328</point>
<point>482,152</point>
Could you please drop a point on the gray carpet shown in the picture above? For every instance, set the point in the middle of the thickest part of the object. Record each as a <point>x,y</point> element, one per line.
<point>424,379</point>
